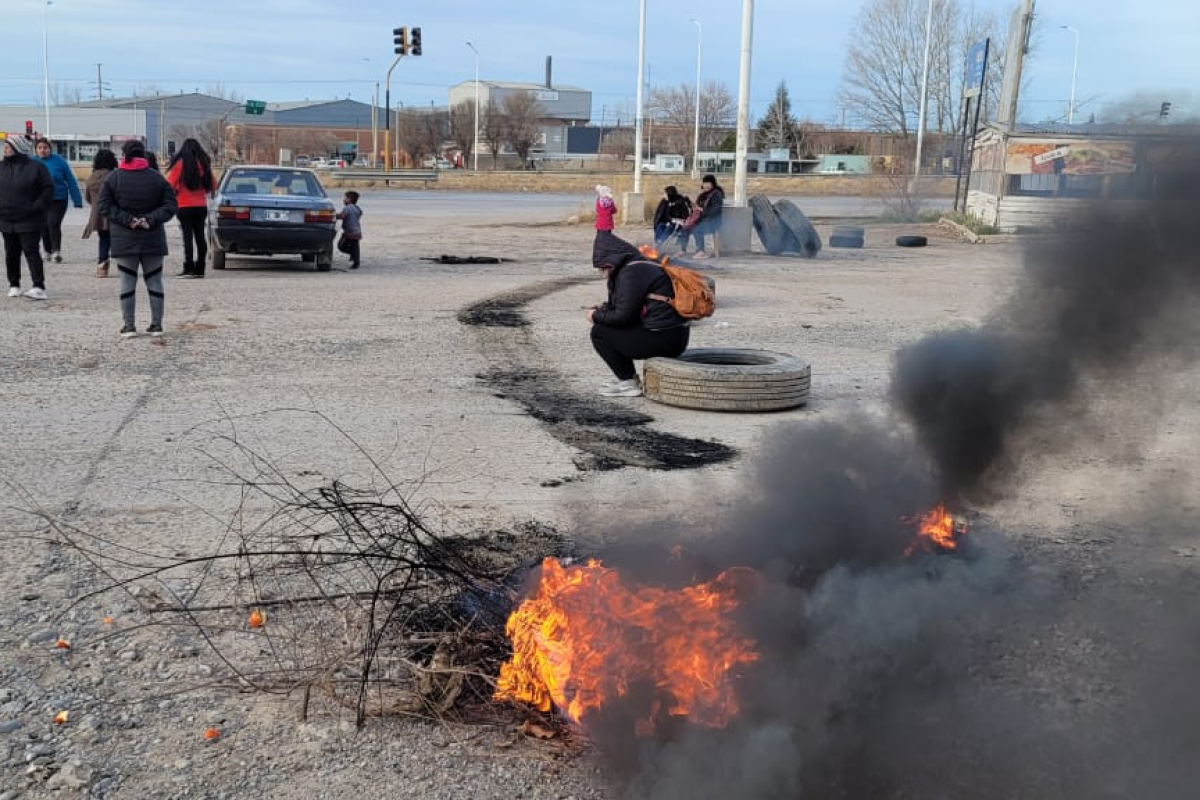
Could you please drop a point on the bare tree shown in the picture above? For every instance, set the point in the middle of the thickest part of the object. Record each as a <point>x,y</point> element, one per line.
<point>419,133</point>
<point>676,107</point>
<point>492,125</point>
<point>522,112</point>
<point>65,94</point>
<point>884,63</point>
<point>219,89</point>
<point>462,127</point>
<point>618,143</point>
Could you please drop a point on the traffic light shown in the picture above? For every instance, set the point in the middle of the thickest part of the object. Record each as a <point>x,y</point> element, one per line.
<point>1165,110</point>
<point>29,127</point>
<point>400,37</point>
<point>415,46</point>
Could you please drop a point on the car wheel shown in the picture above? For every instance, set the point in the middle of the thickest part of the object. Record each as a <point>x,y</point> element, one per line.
<point>729,379</point>
<point>218,259</point>
<point>911,241</point>
<point>308,258</point>
<point>794,220</point>
<point>774,237</point>
<point>325,258</point>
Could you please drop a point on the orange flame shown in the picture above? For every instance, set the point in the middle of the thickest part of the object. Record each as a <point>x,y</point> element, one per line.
<point>257,619</point>
<point>586,637</point>
<point>937,531</point>
<point>61,717</point>
<point>211,734</point>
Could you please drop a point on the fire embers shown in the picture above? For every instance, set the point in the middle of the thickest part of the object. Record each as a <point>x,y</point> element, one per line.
<point>938,531</point>
<point>586,638</point>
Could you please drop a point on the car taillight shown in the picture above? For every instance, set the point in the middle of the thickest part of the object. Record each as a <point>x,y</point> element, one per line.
<point>324,215</point>
<point>233,212</point>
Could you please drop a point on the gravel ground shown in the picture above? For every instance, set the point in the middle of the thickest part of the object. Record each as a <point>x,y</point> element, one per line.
<point>113,437</point>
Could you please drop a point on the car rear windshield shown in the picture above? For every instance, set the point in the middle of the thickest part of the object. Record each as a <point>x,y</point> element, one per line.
<point>275,181</point>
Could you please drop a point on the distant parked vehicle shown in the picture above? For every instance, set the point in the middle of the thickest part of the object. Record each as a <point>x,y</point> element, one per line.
<point>269,211</point>
<point>303,161</point>
<point>327,163</point>
<point>437,163</point>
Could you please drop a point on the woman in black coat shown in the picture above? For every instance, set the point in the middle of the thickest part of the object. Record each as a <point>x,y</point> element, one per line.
<point>138,201</point>
<point>631,324</point>
<point>672,210</point>
<point>711,201</point>
<point>26,191</point>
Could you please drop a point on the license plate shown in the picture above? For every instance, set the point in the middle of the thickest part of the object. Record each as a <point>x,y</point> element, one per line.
<point>278,216</point>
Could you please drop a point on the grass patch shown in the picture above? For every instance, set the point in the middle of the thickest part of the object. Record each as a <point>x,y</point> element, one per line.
<point>972,224</point>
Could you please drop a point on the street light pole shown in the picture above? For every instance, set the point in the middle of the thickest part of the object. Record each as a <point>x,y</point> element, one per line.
<point>696,137</point>
<point>46,65</point>
<point>743,112</point>
<point>924,90</point>
<point>637,136</point>
<point>1074,75</point>
<point>475,146</point>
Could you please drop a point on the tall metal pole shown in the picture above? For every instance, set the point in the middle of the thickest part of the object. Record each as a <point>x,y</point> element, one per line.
<point>924,90</point>
<point>637,133</point>
<point>1074,75</point>
<point>375,128</point>
<point>743,113</point>
<point>46,64</point>
<point>475,146</point>
<point>387,138</point>
<point>696,137</point>
<point>99,81</point>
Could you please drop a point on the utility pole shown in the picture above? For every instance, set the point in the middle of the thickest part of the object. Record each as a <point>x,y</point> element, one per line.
<point>99,82</point>
<point>924,90</point>
<point>743,112</point>
<point>637,136</point>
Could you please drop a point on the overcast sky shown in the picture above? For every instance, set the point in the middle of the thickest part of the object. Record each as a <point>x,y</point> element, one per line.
<point>278,50</point>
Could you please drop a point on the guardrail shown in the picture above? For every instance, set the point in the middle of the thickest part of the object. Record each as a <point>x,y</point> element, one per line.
<point>403,176</point>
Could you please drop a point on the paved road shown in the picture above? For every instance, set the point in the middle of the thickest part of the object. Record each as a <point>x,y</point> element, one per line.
<point>530,207</point>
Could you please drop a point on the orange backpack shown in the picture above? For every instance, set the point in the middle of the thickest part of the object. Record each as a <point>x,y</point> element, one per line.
<point>695,296</point>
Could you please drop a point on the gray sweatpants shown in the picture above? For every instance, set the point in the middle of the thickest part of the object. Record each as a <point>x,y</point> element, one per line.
<point>152,267</point>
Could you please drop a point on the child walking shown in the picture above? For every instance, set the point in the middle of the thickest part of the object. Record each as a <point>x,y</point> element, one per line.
<point>351,217</point>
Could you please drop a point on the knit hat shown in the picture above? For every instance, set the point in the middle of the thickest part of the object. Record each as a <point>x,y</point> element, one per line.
<point>603,191</point>
<point>22,145</point>
<point>612,251</point>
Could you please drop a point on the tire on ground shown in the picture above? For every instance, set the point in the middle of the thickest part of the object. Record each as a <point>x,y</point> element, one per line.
<point>805,234</point>
<point>218,259</point>
<point>325,258</point>
<point>729,379</point>
<point>774,237</point>
<point>837,240</point>
<point>911,241</point>
<point>850,231</point>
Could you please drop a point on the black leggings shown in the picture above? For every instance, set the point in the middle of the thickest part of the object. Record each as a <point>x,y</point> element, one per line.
<point>620,346</point>
<point>52,233</point>
<point>191,219</point>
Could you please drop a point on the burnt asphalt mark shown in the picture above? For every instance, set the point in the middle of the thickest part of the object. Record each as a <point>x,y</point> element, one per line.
<point>613,434</point>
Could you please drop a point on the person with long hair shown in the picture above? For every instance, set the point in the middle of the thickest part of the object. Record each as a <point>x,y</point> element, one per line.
<point>104,162</point>
<point>190,175</point>
<point>65,186</point>
<point>710,201</point>
<point>138,201</point>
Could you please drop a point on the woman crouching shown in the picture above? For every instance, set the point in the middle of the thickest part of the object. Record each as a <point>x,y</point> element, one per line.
<point>636,321</point>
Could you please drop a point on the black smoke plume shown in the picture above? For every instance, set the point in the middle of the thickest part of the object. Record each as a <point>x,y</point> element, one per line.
<point>1021,668</point>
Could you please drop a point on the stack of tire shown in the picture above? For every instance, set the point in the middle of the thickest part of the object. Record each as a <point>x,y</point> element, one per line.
<point>783,228</point>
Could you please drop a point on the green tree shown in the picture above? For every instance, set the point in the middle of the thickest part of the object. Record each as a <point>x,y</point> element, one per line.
<point>778,127</point>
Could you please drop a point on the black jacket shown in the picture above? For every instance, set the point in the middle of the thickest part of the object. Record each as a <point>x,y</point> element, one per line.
<point>26,191</point>
<point>712,201</point>
<point>628,284</point>
<point>131,193</point>
<point>667,210</point>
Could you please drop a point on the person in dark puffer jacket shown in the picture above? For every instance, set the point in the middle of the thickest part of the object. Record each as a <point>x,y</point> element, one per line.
<point>138,201</point>
<point>26,191</point>
<point>630,325</point>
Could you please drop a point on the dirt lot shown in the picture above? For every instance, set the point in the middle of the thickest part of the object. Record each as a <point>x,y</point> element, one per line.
<point>319,371</point>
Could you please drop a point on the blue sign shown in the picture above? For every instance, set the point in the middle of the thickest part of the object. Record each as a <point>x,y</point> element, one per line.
<point>976,68</point>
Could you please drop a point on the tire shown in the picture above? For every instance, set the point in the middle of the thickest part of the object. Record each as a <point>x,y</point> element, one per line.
<point>729,379</point>
<point>325,258</point>
<point>218,259</point>
<point>774,237</point>
<point>849,232</point>
<point>308,258</point>
<point>911,241</point>
<point>801,229</point>
<point>845,241</point>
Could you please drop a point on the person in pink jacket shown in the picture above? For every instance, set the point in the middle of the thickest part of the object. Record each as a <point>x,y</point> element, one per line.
<point>606,209</point>
<point>190,175</point>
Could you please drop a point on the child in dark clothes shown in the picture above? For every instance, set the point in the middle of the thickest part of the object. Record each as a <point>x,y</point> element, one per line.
<point>351,217</point>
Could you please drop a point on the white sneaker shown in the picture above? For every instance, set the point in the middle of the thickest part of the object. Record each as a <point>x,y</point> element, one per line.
<point>14,291</point>
<point>629,388</point>
<point>57,257</point>
<point>35,293</point>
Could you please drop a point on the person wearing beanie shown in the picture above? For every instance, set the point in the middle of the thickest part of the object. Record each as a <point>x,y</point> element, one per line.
<point>138,202</point>
<point>606,209</point>
<point>26,191</point>
<point>636,321</point>
<point>711,202</point>
<point>65,186</point>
